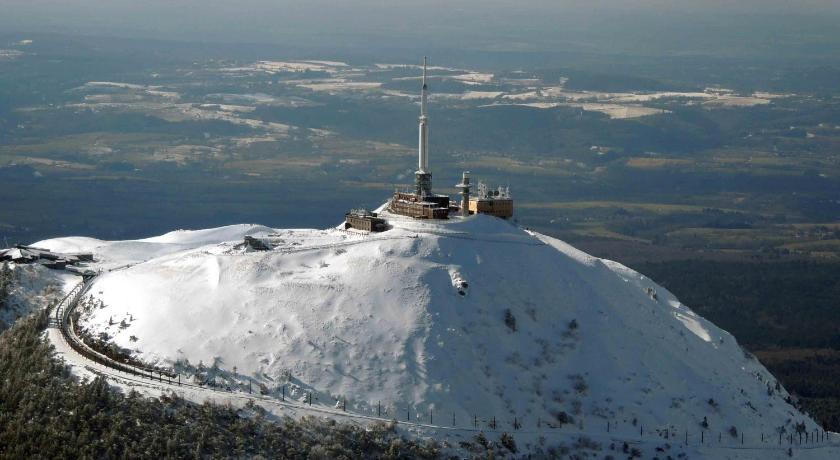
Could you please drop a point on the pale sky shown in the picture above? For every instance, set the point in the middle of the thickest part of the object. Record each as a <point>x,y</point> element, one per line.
<point>655,25</point>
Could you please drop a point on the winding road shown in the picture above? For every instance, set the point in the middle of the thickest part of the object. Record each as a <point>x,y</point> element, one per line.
<point>86,362</point>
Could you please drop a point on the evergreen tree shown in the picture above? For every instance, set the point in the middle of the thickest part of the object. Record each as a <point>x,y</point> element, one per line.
<point>6,280</point>
<point>45,411</point>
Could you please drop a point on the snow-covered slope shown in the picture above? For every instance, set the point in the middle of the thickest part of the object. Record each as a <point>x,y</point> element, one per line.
<point>116,254</point>
<point>471,317</point>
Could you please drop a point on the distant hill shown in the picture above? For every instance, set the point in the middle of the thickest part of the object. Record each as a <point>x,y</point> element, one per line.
<point>465,318</point>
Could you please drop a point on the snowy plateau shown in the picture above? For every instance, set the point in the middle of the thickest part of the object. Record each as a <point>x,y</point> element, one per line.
<point>455,326</point>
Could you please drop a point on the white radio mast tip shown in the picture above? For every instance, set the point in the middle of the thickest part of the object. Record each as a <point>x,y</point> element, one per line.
<point>423,161</point>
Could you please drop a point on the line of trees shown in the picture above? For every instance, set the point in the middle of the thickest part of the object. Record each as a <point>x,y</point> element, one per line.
<point>45,411</point>
<point>6,280</point>
<point>785,307</point>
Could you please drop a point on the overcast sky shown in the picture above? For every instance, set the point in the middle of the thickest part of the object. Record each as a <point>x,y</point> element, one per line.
<point>487,24</point>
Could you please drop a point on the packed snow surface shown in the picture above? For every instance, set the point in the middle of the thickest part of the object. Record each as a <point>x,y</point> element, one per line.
<point>465,317</point>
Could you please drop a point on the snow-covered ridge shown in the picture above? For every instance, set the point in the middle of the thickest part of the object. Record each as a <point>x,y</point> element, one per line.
<point>113,254</point>
<point>469,317</point>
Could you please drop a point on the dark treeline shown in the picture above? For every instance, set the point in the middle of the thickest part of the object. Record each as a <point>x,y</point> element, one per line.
<point>813,375</point>
<point>788,309</point>
<point>764,305</point>
<point>44,412</point>
<point>6,279</point>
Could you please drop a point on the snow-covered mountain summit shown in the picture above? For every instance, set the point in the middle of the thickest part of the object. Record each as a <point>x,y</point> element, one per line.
<point>467,317</point>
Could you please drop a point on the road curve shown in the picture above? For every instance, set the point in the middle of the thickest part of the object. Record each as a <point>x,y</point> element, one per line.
<point>90,363</point>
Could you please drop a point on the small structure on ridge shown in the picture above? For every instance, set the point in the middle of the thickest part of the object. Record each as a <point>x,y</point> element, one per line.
<point>362,219</point>
<point>496,202</point>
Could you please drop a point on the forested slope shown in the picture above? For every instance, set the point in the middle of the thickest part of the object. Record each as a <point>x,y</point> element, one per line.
<point>44,412</point>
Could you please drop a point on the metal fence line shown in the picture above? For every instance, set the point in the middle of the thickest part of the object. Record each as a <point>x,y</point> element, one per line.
<point>699,438</point>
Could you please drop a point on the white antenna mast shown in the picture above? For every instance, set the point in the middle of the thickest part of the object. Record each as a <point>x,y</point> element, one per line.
<point>423,160</point>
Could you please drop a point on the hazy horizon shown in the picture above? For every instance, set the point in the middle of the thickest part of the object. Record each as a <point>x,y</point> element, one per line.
<point>773,29</point>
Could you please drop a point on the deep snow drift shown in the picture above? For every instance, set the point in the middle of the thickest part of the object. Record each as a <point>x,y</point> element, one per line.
<point>466,317</point>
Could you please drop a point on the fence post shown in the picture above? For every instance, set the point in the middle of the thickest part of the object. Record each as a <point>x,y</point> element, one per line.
<point>702,437</point>
<point>453,419</point>
<point>379,408</point>
<point>780,437</point>
<point>608,426</point>
<point>283,394</point>
<point>686,437</point>
<point>742,437</point>
<point>476,421</point>
<point>431,422</point>
<point>407,413</point>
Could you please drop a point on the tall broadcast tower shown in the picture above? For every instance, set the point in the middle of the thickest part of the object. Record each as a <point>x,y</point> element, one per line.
<point>423,176</point>
<point>422,204</point>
